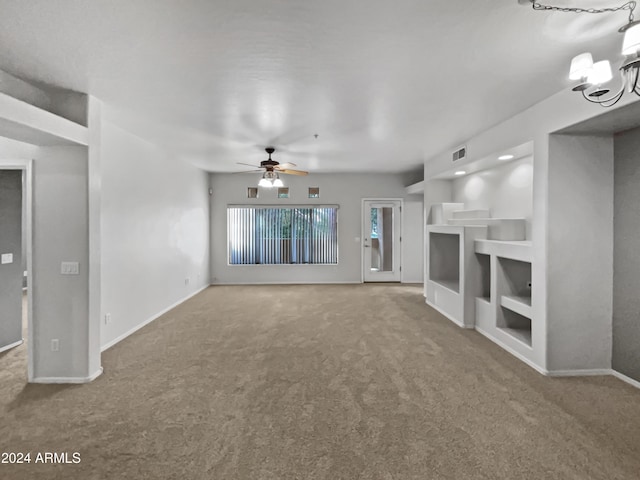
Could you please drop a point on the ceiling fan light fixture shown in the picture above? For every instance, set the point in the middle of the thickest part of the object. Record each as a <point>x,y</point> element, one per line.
<point>277,182</point>
<point>265,182</point>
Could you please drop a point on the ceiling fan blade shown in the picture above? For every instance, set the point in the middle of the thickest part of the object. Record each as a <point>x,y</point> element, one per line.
<point>247,171</point>
<point>249,165</point>
<point>284,166</point>
<point>293,172</point>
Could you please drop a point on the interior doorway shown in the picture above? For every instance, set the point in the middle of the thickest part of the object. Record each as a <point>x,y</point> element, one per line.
<point>382,227</point>
<point>16,299</point>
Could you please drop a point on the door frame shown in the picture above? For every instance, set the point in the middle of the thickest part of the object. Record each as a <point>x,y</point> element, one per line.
<point>363,227</point>
<point>27,168</point>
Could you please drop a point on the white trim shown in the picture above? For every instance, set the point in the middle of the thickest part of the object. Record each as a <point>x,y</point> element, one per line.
<point>579,372</point>
<point>624,378</point>
<point>277,282</point>
<point>513,352</point>
<point>88,379</point>
<point>38,126</point>
<point>151,319</point>
<point>442,312</point>
<point>26,165</point>
<point>12,345</point>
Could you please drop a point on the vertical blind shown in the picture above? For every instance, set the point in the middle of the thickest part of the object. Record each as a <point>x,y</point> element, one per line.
<point>279,235</point>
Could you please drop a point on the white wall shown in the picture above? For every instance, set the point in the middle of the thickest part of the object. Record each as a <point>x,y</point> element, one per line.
<point>154,231</point>
<point>626,273</point>
<point>580,255</point>
<point>345,190</point>
<point>60,302</point>
<point>505,190</point>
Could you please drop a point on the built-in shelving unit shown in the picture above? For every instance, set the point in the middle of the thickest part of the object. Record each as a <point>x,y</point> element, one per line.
<point>483,283</point>
<point>453,271</point>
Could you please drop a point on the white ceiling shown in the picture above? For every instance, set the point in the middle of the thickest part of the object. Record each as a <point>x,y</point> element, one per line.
<point>384,83</point>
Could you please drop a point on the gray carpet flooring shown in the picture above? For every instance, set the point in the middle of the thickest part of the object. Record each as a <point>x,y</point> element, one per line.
<point>318,382</point>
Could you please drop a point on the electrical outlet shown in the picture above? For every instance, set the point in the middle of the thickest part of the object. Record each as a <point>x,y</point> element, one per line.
<point>55,345</point>
<point>186,281</point>
<point>107,318</point>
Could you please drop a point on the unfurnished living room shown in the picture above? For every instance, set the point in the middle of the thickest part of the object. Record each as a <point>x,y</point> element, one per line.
<point>280,239</point>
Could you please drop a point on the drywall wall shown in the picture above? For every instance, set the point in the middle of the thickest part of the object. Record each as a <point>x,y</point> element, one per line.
<point>60,302</point>
<point>345,190</point>
<point>505,190</point>
<point>154,231</point>
<point>11,243</point>
<point>580,252</point>
<point>626,271</point>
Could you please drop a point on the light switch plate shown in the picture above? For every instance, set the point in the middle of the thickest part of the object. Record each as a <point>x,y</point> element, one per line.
<point>7,258</point>
<point>70,268</point>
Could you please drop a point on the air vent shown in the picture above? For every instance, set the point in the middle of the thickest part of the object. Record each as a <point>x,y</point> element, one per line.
<point>460,153</point>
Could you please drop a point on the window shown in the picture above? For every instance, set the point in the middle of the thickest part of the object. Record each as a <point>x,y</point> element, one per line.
<point>278,235</point>
<point>252,192</point>
<point>314,192</point>
<point>283,192</point>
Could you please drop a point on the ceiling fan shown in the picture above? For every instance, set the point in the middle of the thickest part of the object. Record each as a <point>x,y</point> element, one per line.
<point>272,169</point>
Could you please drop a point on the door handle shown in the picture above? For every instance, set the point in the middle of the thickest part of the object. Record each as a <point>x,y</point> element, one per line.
<point>367,246</point>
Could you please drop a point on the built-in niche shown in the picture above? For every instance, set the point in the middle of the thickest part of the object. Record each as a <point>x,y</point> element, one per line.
<point>444,260</point>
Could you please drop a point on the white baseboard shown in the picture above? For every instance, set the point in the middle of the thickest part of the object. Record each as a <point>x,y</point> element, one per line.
<point>232,284</point>
<point>624,378</point>
<point>73,380</point>
<point>579,372</point>
<point>12,345</point>
<point>442,312</point>
<point>513,352</point>
<point>149,320</point>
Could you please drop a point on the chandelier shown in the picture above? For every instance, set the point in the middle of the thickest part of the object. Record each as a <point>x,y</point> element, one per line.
<point>594,77</point>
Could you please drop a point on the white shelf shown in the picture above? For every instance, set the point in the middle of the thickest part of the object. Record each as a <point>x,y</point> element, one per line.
<point>523,335</point>
<point>515,250</point>
<point>458,214</point>
<point>452,285</point>
<point>26,123</point>
<point>506,229</point>
<point>520,305</point>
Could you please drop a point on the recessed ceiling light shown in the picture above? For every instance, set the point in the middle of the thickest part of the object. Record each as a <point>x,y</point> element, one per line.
<point>460,172</point>
<point>505,157</point>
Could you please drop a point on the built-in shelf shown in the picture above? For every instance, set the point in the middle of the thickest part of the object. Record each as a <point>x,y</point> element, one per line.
<point>506,229</point>
<point>458,214</point>
<point>484,275</point>
<point>27,123</point>
<point>516,250</point>
<point>444,259</point>
<point>518,304</point>
<point>453,271</point>
<point>523,335</point>
<point>453,285</point>
<point>486,300</point>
